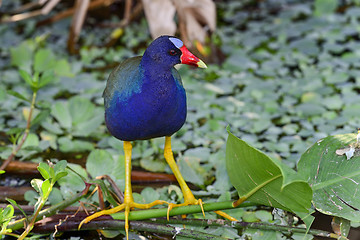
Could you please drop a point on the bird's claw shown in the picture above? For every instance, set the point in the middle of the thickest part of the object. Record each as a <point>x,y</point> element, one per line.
<point>191,201</point>
<point>127,206</point>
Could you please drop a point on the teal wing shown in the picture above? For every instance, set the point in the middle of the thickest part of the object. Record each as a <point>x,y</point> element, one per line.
<point>176,76</point>
<point>124,80</point>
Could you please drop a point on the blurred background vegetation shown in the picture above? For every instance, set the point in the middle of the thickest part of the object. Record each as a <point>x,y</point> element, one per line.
<point>281,73</point>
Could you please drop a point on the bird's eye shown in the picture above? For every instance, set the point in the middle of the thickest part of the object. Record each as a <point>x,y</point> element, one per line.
<point>172,52</point>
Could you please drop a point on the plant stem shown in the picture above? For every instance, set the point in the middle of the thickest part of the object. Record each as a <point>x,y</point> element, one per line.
<point>26,133</point>
<point>11,234</point>
<point>30,226</point>
<point>162,212</point>
<point>49,211</point>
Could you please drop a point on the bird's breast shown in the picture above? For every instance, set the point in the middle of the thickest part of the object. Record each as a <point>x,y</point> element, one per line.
<point>159,109</point>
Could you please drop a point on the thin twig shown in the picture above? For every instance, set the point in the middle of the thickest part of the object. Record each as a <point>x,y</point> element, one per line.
<point>118,192</point>
<point>26,133</point>
<point>68,12</point>
<point>127,11</point>
<point>51,210</point>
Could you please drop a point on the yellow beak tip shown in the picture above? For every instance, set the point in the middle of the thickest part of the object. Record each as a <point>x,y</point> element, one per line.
<point>201,64</point>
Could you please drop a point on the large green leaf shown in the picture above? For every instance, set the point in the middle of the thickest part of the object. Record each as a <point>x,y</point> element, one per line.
<point>262,180</point>
<point>333,178</point>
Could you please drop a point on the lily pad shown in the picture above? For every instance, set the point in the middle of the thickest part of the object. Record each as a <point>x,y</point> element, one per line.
<point>78,116</point>
<point>333,178</point>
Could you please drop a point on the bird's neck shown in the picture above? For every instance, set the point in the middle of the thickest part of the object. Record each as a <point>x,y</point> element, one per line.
<point>155,71</point>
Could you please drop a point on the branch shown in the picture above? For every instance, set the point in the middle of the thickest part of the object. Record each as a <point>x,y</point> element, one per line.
<point>163,229</point>
<point>160,225</point>
<point>242,225</point>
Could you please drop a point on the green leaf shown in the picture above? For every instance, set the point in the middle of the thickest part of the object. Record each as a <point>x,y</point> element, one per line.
<point>21,56</point>
<point>89,126</point>
<point>14,203</point>
<point>334,179</point>
<point>51,173</point>
<point>60,166</point>
<point>62,68</point>
<point>61,112</point>
<point>43,171</point>
<point>59,170</point>
<point>17,95</point>
<point>324,7</point>
<point>72,183</point>
<point>264,216</point>
<point>60,175</point>
<point>40,116</point>
<point>341,226</point>
<point>44,60</point>
<point>68,145</point>
<point>81,109</point>
<point>36,184</point>
<point>31,196</point>
<point>190,170</point>
<point>52,127</point>
<point>46,78</point>
<point>149,195</point>
<point>46,187</point>
<point>250,216</point>
<point>5,216</point>
<point>100,158</point>
<point>263,180</point>
<point>32,140</point>
<point>15,131</point>
<point>27,77</point>
<point>110,233</point>
<point>151,164</point>
<point>55,196</point>
<point>8,212</point>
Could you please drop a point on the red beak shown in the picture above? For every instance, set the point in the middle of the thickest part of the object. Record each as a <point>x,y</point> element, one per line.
<point>188,58</point>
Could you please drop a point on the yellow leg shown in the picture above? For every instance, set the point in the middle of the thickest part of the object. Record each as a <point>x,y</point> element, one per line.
<point>227,216</point>
<point>189,198</point>
<point>128,197</point>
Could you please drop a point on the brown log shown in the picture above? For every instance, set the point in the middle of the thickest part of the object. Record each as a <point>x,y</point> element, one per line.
<point>22,168</point>
<point>13,193</point>
<point>30,168</point>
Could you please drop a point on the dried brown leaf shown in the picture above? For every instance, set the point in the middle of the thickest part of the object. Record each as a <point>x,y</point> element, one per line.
<point>81,7</point>
<point>160,16</point>
<point>196,17</point>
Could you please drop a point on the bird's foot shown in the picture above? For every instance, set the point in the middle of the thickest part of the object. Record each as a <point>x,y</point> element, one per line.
<point>189,200</point>
<point>127,206</point>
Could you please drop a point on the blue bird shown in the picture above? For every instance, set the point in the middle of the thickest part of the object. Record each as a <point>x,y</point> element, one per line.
<point>144,98</point>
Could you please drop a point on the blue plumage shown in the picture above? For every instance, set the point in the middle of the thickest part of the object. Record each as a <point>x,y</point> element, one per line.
<point>144,96</point>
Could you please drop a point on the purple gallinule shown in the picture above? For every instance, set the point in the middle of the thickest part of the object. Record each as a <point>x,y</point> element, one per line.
<point>144,99</point>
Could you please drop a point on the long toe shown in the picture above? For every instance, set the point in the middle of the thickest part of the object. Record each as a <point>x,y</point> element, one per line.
<point>127,206</point>
<point>187,202</point>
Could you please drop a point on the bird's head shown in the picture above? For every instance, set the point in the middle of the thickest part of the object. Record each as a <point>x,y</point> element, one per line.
<point>169,51</point>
